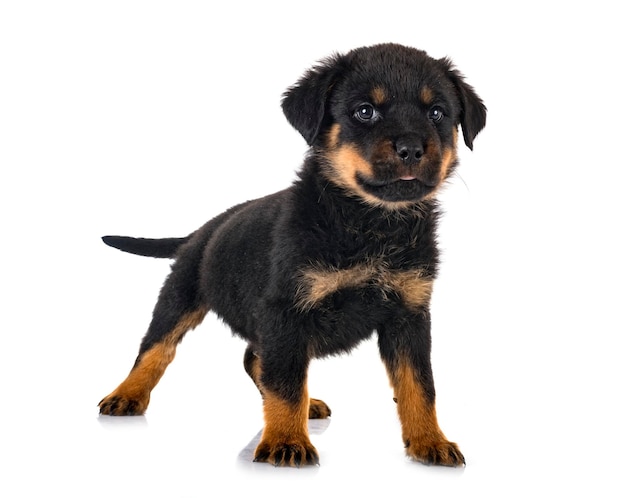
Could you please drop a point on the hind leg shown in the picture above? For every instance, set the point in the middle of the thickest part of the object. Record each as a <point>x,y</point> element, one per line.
<point>174,314</point>
<point>252,364</point>
<point>133,395</point>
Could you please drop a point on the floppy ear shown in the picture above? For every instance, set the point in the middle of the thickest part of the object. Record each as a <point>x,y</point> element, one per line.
<point>304,103</point>
<point>473,111</point>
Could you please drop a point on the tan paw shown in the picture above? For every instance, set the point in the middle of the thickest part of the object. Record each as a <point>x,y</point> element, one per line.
<point>436,453</point>
<point>287,454</point>
<point>318,409</point>
<point>119,404</point>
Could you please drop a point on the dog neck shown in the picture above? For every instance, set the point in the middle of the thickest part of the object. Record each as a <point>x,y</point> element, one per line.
<point>335,204</point>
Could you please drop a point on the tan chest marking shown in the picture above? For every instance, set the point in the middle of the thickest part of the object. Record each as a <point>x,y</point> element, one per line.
<point>317,283</point>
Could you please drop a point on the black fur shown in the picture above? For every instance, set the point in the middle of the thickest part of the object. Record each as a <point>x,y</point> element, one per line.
<point>156,248</point>
<point>362,208</point>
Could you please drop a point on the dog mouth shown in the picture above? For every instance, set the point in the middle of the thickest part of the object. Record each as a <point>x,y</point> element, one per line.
<point>400,189</point>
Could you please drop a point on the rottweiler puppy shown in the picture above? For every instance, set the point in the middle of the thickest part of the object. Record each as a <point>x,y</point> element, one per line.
<point>348,250</point>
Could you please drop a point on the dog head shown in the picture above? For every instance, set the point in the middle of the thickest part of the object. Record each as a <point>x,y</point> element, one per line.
<point>384,121</point>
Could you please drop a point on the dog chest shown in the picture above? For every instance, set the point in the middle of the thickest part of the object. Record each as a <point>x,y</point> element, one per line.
<point>316,283</point>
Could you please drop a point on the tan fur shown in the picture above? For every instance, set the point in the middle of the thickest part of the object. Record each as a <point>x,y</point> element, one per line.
<point>421,434</point>
<point>317,283</point>
<point>317,408</point>
<point>379,96</point>
<point>285,431</point>
<point>427,96</point>
<point>149,369</point>
<point>344,162</point>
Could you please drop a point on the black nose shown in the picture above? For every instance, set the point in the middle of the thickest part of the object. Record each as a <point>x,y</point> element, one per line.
<point>409,149</point>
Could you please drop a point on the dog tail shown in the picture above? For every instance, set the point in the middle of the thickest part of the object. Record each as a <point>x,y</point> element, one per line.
<point>155,248</point>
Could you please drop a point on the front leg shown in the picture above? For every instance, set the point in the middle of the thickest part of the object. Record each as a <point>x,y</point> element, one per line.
<point>405,350</point>
<point>285,439</point>
<point>252,364</point>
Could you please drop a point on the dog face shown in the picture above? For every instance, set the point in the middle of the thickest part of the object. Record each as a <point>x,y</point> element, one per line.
<point>384,119</point>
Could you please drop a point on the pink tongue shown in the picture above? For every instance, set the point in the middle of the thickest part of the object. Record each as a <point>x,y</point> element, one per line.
<point>407,178</point>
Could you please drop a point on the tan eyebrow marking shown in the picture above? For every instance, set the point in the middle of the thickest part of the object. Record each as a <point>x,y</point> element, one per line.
<point>379,96</point>
<point>427,95</point>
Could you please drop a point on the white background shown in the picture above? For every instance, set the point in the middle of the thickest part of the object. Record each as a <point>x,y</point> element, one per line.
<point>149,118</point>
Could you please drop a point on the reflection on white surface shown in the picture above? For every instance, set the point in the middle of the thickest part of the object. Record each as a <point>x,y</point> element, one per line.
<point>246,456</point>
<point>245,459</point>
<point>123,423</point>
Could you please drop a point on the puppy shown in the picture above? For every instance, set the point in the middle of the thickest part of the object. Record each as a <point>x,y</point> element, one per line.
<point>347,250</point>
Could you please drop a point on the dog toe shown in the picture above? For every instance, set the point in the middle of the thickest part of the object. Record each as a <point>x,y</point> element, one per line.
<point>440,453</point>
<point>121,406</point>
<point>287,454</point>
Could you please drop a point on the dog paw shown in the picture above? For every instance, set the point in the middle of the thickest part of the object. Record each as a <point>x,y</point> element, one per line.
<point>115,404</point>
<point>287,454</point>
<point>436,453</point>
<point>318,409</point>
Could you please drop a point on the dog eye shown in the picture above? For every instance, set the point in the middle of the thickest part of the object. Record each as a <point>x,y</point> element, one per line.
<point>435,114</point>
<point>365,112</point>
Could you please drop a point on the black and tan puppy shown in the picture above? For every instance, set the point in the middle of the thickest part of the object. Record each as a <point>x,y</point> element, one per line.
<point>347,250</point>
